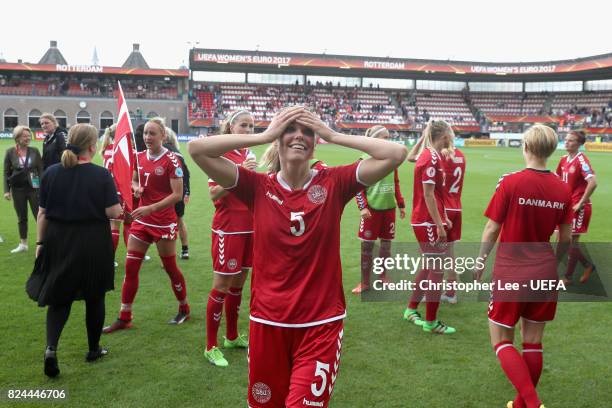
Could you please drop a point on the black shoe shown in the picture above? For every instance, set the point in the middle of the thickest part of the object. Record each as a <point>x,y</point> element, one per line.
<point>51,367</point>
<point>180,318</point>
<point>92,356</point>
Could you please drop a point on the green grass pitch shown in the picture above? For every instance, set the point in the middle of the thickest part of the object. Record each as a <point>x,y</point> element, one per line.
<point>386,362</point>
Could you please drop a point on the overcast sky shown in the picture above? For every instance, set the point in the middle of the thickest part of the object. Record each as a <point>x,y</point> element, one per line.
<point>493,30</point>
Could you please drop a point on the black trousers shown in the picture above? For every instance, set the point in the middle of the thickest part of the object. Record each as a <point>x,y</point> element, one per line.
<point>57,316</point>
<point>21,198</point>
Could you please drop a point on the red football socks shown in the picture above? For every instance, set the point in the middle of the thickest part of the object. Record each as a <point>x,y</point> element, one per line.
<point>214,309</point>
<point>534,358</point>
<point>232,308</point>
<point>518,373</point>
<point>176,277</point>
<point>417,294</point>
<point>133,260</point>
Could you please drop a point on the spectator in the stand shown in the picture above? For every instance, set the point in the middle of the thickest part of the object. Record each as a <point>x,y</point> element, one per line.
<point>55,140</point>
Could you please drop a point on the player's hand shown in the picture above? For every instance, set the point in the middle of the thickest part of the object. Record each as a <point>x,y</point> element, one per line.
<point>578,207</point>
<point>441,241</point>
<point>402,213</point>
<point>279,123</point>
<point>249,164</point>
<point>141,212</point>
<point>365,213</point>
<point>312,121</point>
<point>449,223</point>
<point>186,199</point>
<point>7,196</point>
<point>478,272</point>
<point>38,249</point>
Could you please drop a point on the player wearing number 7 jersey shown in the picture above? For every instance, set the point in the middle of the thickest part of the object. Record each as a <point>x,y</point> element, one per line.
<point>297,300</point>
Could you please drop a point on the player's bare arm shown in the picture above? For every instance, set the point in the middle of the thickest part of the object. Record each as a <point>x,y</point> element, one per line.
<point>488,240</point>
<point>208,152</point>
<point>590,188</point>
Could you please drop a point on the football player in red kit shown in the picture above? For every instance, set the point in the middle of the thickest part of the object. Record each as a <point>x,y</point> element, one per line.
<point>526,207</point>
<point>232,248</point>
<point>453,161</point>
<point>159,185</point>
<point>297,300</point>
<point>430,224</point>
<point>575,170</point>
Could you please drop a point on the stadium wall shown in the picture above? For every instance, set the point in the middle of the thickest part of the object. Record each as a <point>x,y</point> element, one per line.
<point>23,105</point>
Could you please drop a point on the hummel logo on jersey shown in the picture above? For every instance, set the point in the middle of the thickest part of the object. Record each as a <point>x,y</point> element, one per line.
<point>273,197</point>
<point>312,403</point>
<point>541,203</point>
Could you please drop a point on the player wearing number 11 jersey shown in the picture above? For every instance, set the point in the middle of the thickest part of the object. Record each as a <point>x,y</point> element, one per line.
<point>297,300</point>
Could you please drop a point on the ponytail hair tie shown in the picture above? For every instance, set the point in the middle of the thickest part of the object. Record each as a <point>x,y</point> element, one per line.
<point>74,149</point>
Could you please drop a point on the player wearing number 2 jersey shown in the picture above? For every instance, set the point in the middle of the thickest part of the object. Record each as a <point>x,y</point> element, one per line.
<point>297,301</point>
<point>159,184</point>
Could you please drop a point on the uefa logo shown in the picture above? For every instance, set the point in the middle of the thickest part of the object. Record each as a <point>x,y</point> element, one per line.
<point>261,392</point>
<point>317,194</point>
<point>431,172</point>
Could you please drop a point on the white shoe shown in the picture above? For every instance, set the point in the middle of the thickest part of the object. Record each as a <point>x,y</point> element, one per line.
<point>449,299</point>
<point>147,258</point>
<point>20,248</point>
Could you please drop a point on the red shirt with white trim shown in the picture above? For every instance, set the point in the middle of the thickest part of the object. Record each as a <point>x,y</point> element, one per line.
<point>428,170</point>
<point>530,204</point>
<point>297,273</point>
<point>155,175</point>
<point>232,215</point>
<point>575,172</point>
<point>454,169</point>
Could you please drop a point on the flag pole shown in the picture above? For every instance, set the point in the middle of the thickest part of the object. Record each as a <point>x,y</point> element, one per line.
<point>131,132</point>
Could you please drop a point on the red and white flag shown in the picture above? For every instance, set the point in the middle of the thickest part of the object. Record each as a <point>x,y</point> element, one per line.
<point>123,153</point>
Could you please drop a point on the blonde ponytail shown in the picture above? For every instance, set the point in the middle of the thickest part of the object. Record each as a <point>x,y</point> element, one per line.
<point>80,138</point>
<point>271,159</point>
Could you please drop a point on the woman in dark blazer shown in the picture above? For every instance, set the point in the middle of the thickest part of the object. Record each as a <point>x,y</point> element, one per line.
<point>74,249</point>
<point>55,140</point>
<point>22,171</point>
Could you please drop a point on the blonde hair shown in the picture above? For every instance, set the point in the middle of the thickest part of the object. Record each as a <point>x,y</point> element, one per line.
<point>541,141</point>
<point>18,131</point>
<point>108,137</point>
<point>375,130</point>
<point>49,116</point>
<point>271,159</point>
<point>433,131</point>
<point>171,138</point>
<point>82,136</point>
<point>229,120</point>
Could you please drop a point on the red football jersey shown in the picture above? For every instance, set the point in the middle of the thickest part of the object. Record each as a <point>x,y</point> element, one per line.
<point>155,175</point>
<point>454,169</point>
<point>530,204</point>
<point>107,157</point>
<point>575,172</point>
<point>231,214</point>
<point>297,273</point>
<point>428,169</point>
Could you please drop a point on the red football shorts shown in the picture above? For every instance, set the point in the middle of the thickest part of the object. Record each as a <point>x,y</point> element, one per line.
<point>231,252</point>
<point>581,220</point>
<point>381,225</point>
<point>427,236</point>
<point>507,314</point>
<point>454,234</point>
<point>293,367</point>
<point>152,233</point>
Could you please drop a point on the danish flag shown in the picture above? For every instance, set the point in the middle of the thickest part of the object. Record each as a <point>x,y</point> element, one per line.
<point>123,153</point>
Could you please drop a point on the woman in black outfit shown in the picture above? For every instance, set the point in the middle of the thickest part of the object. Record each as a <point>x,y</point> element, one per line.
<point>22,172</point>
<point>55,140</point>
<point>74,249</point>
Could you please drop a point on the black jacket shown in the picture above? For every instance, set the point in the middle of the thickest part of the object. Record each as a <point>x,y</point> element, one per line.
<point>53,147</point>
